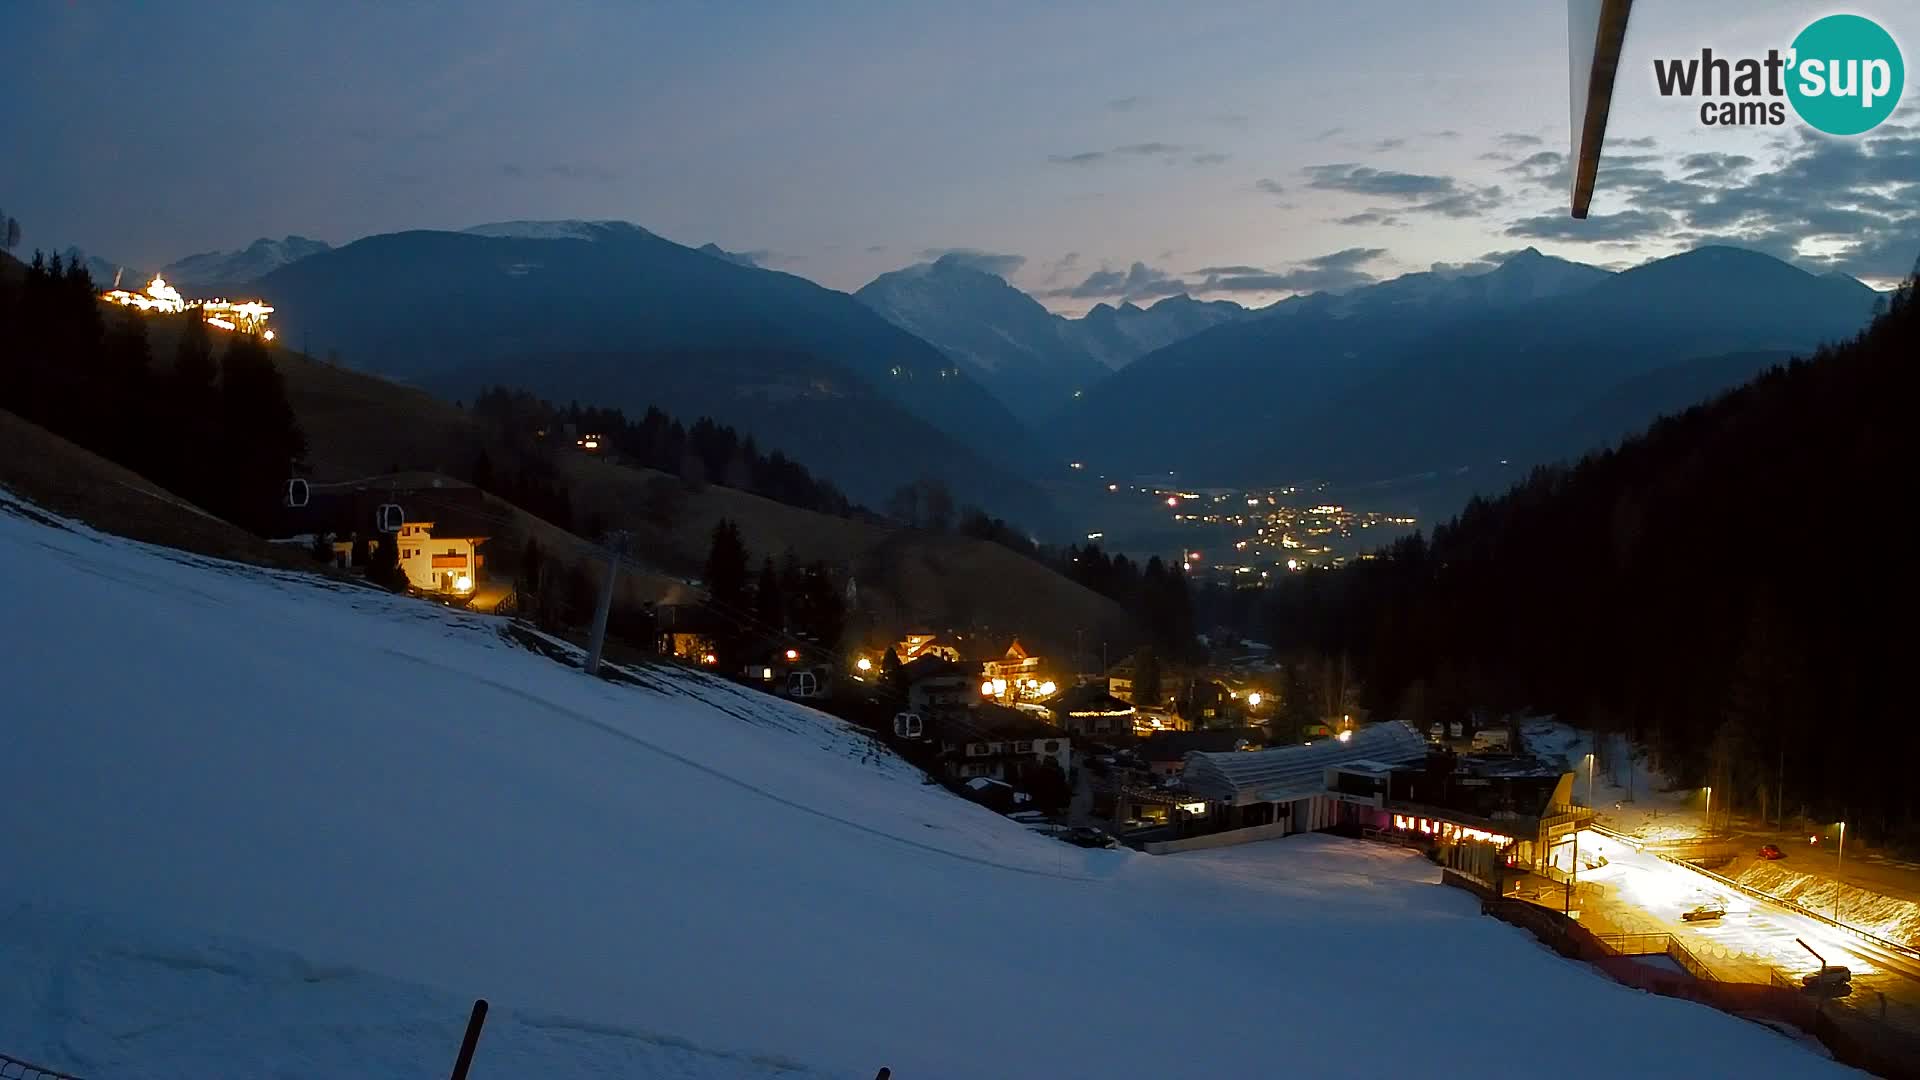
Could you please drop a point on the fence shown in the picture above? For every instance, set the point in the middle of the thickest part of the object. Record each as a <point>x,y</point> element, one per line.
<point>1759,894</point>
<point>1853,1037</point>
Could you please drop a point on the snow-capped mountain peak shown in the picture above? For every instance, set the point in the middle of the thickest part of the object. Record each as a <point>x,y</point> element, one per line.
<point>255,261</point>
<point>553,230</point>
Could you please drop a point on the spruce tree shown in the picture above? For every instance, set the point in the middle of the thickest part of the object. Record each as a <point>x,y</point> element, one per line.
<point>769,605</point>
<point>190,401</point>
<point>385,569</point>
<point>261,440</point>
<point>726,572</point>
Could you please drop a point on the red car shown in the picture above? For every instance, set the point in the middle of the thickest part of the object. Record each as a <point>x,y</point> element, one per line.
<point>1768,851</point>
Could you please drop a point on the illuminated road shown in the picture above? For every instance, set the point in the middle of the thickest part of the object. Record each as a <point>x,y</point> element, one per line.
<point>1642,893</point>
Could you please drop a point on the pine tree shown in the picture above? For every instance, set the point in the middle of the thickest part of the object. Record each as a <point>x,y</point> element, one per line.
<point>190,401</point>
<point>726,572</point>
<point>261,440</point>
<point>1147,690</point>
<point>131,435</point>
<point>769,606</point>
<point>385,569</point>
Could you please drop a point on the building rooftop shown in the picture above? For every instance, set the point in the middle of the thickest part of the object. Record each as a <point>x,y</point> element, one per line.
<point>1291,772</point>
<point>987,722</point>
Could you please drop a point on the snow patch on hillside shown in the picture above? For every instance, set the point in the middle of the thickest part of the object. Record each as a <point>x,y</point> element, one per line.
<point>553,230</point>
<point>273,823</point>
<point>1862,909</point>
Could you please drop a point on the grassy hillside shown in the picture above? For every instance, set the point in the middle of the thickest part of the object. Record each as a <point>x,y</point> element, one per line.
<point>80,484</point>
<point>903,574</point>
<point>359,424</point>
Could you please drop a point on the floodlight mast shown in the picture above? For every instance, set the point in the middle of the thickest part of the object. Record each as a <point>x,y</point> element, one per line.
<point>1596,30</point>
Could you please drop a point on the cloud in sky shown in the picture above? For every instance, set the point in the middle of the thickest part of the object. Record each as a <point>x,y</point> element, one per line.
<point>1625,225</point>
<point>1366,180</point>
<point>1336,270</point>
<point>1137,282</point>
<point>997,263</point>
<point>1130,103</point>
<point>1138,150</point>
<point>1827,204</point>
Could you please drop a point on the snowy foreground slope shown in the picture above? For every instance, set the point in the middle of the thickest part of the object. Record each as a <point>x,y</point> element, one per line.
<point>259,824</point>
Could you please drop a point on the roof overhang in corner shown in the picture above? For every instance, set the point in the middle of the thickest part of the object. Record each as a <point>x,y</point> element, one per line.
<point>1596,30</point>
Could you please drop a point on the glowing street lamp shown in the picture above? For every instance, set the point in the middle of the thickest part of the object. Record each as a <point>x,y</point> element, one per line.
<point>863,664</point>
<point>1590,764</point>
<point>1838,864</point>
<point>1253,700</point>
<point>1709,790</point>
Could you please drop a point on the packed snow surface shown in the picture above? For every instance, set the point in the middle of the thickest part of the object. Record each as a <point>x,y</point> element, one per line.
<point>265,824</point>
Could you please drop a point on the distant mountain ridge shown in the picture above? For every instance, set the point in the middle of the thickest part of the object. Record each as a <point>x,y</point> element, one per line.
<point>1034,360</point>
<point>211,269</point>
<point>1431,371</point>
<point>615,315</point>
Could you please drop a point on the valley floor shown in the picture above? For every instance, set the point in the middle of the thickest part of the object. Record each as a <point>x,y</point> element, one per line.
<point>260,823</point>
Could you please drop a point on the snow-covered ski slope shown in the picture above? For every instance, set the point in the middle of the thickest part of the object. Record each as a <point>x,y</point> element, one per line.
<point>262,824</point>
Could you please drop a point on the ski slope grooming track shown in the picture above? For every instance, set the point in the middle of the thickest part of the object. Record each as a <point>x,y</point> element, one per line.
<point>261,823</point>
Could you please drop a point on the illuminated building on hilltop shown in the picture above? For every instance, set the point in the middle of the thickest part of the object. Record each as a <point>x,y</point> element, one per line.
<point>244,316</point>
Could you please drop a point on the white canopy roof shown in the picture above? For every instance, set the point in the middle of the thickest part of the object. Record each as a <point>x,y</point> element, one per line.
<point>1295,772</point>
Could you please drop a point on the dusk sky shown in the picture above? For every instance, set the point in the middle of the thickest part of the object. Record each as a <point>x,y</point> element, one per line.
<point>1095,151</point>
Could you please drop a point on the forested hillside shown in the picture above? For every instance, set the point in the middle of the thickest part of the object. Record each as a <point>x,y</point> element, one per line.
<point>1729,586</point>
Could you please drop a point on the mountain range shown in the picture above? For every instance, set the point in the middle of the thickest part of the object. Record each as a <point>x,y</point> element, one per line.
<point>611,314</point>
<point>1033,360</point>
<point>221,271</point>
<point>1432,371</point>
<point>946,369</point>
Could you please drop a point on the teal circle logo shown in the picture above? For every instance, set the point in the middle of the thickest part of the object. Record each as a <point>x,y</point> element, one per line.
<point>1846,74</point>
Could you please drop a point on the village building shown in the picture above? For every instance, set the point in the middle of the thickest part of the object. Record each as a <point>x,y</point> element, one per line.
<point>918,643</point>
<point>1165,753</point>
<point>1091,711</point>
<point>938,688</point>
<point>998,743</point>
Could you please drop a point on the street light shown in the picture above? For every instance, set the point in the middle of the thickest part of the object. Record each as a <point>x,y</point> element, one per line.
<point>1838,862</point>
<point>1253,700</point>
<point>1590,764</point>
<point>1709,809</point>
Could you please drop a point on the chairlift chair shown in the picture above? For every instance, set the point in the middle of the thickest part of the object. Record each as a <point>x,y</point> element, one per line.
<point>802,684</point>
<point>389,518</point>
<point>298,492</point>
<point>908,725</point>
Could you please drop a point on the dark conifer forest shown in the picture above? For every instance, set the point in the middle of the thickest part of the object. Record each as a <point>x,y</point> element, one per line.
<point>1731,587</point>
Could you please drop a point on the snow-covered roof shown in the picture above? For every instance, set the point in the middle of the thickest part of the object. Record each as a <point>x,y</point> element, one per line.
<point>1293,772</point>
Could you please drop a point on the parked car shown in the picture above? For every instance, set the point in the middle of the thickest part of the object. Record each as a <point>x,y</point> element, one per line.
<point>1769,851</point>
<point>1834,979</point>
<point>1704,912</point>
<point>1089,837</point>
